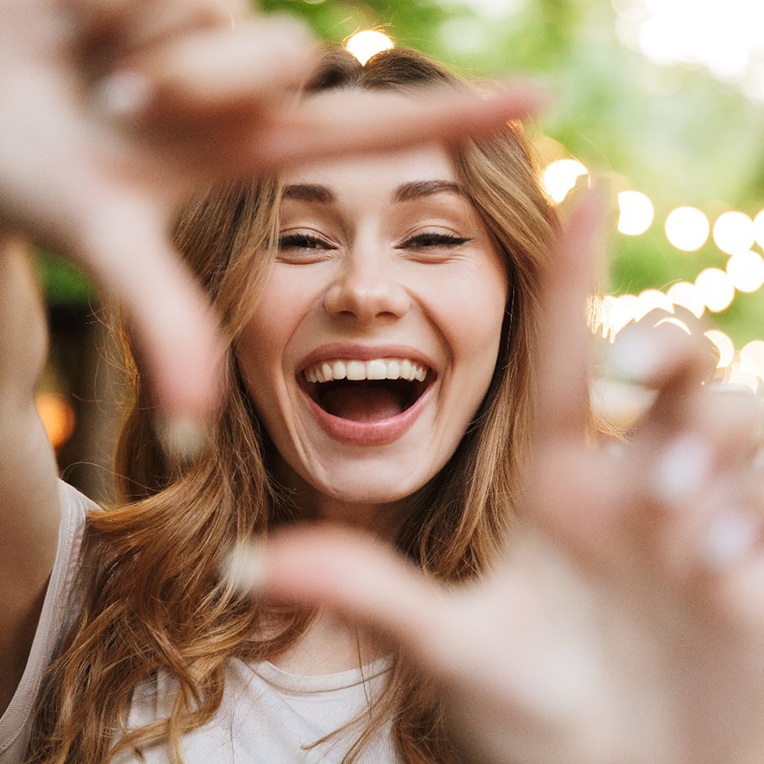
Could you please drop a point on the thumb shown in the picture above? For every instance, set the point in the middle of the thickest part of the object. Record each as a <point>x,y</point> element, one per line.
<point>355,575</point>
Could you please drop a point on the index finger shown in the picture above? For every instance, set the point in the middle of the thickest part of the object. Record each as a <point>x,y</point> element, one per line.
<point>379,120</point>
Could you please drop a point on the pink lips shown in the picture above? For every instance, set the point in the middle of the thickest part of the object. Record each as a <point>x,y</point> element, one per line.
<point>374,433</point>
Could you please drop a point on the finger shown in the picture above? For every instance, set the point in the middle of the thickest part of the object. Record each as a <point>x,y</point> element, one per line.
<point>222,72</point>
<point>357,576</point>
<point>562,405</point>
<point>126,248</point>
<point>339,122</point>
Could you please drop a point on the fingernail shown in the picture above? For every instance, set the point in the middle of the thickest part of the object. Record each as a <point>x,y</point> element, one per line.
<point>730,538</point>
<point>124,94</point>
<point>681,470</point>
<point>183,438</point>
<point>244,567</point>
<point>636,356</point>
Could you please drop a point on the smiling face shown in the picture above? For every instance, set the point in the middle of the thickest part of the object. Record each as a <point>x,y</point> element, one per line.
<point>378,330</point>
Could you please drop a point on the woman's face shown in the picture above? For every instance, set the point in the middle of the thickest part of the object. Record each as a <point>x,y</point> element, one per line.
<point>378,330</point>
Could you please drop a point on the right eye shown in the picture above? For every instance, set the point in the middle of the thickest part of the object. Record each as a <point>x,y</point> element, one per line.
<point>302,240</point>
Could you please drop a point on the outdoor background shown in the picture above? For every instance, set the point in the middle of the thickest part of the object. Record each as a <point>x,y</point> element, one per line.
<point>664,99</point>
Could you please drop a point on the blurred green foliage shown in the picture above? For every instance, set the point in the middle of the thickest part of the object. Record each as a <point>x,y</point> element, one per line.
<point>673,133</point>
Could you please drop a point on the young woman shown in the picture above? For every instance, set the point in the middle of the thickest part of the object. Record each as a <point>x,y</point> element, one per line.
<point>378,375</point>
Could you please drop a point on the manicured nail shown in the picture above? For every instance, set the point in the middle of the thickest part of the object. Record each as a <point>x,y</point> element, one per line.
<point>681,470</point>
<point>730,538</point>
<point>183,438</point>
<point>245,567</point>
<point>125,94</point>
<point>636,356</point>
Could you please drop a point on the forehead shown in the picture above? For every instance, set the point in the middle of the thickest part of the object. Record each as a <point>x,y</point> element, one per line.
<point>384,174</point>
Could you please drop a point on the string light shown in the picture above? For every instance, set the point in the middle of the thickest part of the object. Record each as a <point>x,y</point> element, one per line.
<point>746,271</point>
<point>364,45</point>
<point>715,289</point>
<point>560,177</point>
<point>687,228</point>
<point>724,346</point>
<point>734,232</point>
<point>752,358</point>
<point>636,213</point>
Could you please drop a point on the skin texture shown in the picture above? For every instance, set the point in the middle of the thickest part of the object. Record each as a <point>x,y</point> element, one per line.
<point>381,275</point>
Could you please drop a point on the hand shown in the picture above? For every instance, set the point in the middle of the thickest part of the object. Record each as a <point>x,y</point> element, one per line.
<point>114,111</point>
<point>624,622</point>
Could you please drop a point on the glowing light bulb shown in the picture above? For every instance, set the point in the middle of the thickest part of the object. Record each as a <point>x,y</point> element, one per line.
<point>715,289</point>
<point>734,232</point>
<point>652,299</point>
<point>561,176</point>
<point>636,213</point>
<point>746,270</point>
<point>685,295</point>
<point>724,345</point>
<point>687,228</point>
<point>752,358</point>
<point>364,45</point>
<point>758,228</point>
<point>738,374</point>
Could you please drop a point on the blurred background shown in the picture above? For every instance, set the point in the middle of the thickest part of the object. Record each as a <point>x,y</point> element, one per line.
<point>664,99</point>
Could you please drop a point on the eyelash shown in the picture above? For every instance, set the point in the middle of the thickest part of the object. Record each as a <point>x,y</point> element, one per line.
<point>432,240</point>
<point>311,242</point>
<point>302,241</point>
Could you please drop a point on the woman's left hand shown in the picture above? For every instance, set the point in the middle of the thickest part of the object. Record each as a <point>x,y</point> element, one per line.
<point>625,621</point>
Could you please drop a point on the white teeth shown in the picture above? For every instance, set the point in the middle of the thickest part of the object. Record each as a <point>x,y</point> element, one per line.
<point>377,368</point>
<point>339,370</point>
<point>356,370</point>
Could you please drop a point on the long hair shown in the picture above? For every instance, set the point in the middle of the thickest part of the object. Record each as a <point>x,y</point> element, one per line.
<point>153,599</point>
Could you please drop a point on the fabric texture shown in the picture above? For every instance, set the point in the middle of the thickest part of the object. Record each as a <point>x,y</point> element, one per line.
<point>267,715</point>
<point>58,610</point>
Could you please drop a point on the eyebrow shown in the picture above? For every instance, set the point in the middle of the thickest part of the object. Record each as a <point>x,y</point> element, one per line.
<point>314,192</point>
<point>417,189</point>
<point>309,192</point>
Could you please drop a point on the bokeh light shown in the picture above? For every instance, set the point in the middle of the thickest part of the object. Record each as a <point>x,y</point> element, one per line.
<point>734,232</point>
<point>57,417</point>
<point>364,45</point>
<point>752,358</point>
<point>723,37</point>
<point>758,228</point>
<point>685,295</point>
<point>687,228</point>
<point>724,346</point>
<point>561,176</point>
<point>636,213</point>
<point>652,299</point>
<point>746,271</point>
<point>715,289</point>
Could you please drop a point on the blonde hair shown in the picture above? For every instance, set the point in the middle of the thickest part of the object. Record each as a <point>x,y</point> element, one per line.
<point>153,598</point>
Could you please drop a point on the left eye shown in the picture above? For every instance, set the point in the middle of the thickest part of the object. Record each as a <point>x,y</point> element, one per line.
<point>432,240</point>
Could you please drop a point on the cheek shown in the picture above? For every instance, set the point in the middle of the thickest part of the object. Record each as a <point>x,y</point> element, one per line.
<point>474,323</point>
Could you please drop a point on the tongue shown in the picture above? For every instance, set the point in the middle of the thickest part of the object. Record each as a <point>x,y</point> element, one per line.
<point>362,404</point>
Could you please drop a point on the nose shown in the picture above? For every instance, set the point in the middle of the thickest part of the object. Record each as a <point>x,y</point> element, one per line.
<point>366,288</point>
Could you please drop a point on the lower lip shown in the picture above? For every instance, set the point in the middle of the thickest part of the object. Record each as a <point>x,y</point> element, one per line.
<point>378,433</point>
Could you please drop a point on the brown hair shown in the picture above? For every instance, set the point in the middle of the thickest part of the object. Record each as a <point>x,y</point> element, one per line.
<point>153,597</point>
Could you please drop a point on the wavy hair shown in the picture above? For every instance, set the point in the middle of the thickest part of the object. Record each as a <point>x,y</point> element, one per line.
<point>153,599</point>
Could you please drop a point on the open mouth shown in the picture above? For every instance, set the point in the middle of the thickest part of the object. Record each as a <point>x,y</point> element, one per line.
<point>366,391</point>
